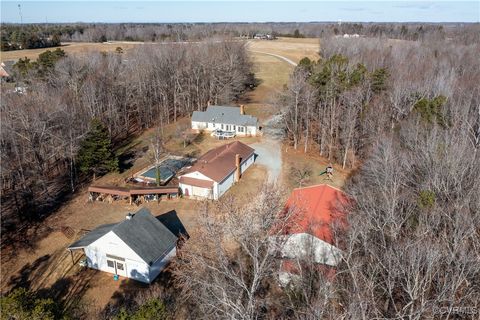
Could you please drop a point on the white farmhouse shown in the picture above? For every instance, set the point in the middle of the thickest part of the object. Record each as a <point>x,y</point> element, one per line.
<point>230,119</point>
<point>216,171</point>
<point>138,247</point>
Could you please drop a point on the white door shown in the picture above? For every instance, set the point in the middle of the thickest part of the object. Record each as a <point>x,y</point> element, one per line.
<point>117,267</point>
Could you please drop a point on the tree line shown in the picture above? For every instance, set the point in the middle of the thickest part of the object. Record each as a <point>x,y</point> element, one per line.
<point>44,129</point>
<point>360,88</point>
<point>28,36</point>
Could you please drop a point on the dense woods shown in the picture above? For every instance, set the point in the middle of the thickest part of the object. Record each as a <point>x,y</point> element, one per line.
<point>359,89</point>
<point>409,112</point>
<point>43,130</point>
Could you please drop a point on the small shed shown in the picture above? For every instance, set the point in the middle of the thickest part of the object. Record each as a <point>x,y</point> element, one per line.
<point>138,248</point>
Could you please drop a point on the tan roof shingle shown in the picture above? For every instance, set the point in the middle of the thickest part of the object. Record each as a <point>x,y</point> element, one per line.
<point>219,163</point>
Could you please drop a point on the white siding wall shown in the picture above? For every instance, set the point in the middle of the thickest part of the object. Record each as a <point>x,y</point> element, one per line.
<point>197,175</point>
<point>225,185</point>
<point>160,264</point>
<point>187,187</point>
<point>218,188</point>
<point>247,163</point>
<point>111,244</point>
<point>230,180</point>
<point>196,191</point>
<point>304,245</point>
<point>201,192</point>
<point>250,130</point>
<point>199,125</point>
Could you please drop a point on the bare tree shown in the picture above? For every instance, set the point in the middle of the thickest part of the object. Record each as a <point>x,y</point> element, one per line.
<point>157,150</point>
<point>225,272</point>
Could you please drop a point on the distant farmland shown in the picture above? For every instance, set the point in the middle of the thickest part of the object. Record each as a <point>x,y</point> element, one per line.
<point>291,48</point>
<point>69,47</point>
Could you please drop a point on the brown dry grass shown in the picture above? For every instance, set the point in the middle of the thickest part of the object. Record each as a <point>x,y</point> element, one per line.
<point>292,48</point>
<point>273,72</point>
<point>299,159</point>
<point>68,47</point>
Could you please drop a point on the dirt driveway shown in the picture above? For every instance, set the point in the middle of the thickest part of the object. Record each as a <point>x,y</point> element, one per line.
<point>269,149</point>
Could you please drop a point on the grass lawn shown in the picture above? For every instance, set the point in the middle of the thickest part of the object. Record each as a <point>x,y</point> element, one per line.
<point>292,48</point>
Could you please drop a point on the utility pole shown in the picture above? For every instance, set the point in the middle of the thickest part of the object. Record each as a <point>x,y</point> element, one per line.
<point>20,13</point>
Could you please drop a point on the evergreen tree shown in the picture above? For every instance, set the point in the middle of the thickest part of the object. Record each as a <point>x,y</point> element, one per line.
<point>23,304</point>
<point>379,80</point>
<point>152,309</point>
<point>96,154</point>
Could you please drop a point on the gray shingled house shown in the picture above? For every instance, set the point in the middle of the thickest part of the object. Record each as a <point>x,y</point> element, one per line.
<point>229,119</point>
<point>138,247</point>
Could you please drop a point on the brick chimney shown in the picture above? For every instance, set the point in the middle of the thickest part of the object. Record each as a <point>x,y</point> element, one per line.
<point>237,170</point>
<point>242,111</point>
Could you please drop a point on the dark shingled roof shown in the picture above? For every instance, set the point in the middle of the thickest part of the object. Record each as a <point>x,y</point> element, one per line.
<point>226,115</point>
<point>93,236</point>
<point>143,233</point>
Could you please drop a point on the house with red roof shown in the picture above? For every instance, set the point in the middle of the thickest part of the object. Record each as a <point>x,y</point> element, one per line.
<point>316,215</point>
<point>216,171</point>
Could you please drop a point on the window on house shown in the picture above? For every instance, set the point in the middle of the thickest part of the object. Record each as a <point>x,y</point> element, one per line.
<point>234,128</point>
<point>119,266</point>
<point>221,126</point>
<point>240,129</point>
<point>110,264</point>
<point>228,127</point>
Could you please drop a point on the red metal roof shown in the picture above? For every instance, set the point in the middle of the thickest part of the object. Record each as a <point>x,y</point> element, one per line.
<point>316,210</point>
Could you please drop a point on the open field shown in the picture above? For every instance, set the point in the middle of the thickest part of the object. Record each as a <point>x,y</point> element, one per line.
<point>292,48</point>
<point>68,47</point>
<point>274,72</point>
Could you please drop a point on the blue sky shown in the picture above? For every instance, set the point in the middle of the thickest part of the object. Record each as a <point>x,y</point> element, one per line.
<point>240,11</point>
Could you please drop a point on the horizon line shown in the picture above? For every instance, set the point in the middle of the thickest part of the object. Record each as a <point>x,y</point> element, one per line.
<point>239,22</point>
